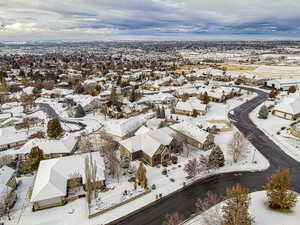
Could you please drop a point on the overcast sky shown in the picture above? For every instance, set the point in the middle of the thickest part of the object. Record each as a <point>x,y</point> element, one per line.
<point>148,19</point>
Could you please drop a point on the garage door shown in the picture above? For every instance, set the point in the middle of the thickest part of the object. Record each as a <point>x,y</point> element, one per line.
<point>280,114</point>
<point>288,116</point>
<point>49,202</point>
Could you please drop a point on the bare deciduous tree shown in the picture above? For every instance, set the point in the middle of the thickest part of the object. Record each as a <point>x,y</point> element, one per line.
<point>186,148</point>
<point>238,146</point>
<point>88,182</point>
<point>205,164</point>
<point>192,167</point>
<point>6,160</point>
<point>84,143</point>
<point>109,149</point>
<point>173,219</point>
<point>90,178</point>
<point>213,216</point>
<point>8,198</point>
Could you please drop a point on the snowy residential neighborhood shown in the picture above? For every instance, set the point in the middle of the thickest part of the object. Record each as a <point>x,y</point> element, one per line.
<point>144,135</point>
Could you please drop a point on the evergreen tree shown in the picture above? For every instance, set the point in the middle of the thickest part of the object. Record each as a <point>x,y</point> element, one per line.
<point>205,98</point>
<point>292,89</point>
<point>273,94</point>
<point>36,91</point>
<point>33,160</point>
<point>79,111</point>
<point>195,113</point>
<point>162,113</point>
<point>132,95</point>
<point>278,193</point>
<point>141,176</point>
<point>3,74</point>
<point>37,75</point>
<point>173,111</point>
<point>79,89</point>
<point>235,209</point>
<point>54,128</point>
<point>263,112</point>
<point>158,112</point>
<point>22,73</point>
<point>4,85</point>
<point>185,97</point>
<point>113,96</point>
<point>217,156</point>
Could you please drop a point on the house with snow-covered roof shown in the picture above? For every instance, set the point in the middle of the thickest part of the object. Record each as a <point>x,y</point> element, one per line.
<point>188,90</point>
<point>153,147</point>
<point>54,177</point>
<point>194,135</point>
<point>10,137</point>
<point>160,98</point>
<point>191,107</point>
<point>50,147</point>
<point>8,177</point>
<point>123,128</point>
<point>283,84</point>
<point>8,185</point>
<point>289,108</point>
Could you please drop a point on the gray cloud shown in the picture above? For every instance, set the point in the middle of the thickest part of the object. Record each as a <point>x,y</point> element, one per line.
<point>99,19</point>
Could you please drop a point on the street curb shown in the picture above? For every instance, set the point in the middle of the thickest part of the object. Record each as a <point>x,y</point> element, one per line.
<point>200,180</point>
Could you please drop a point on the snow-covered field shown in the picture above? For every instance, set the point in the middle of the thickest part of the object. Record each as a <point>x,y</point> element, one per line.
<point>261,213</point>
<point>263,71</point>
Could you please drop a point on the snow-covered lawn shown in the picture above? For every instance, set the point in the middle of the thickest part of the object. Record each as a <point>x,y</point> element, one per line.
<point>22,207</point>
<point>216,111</point>
<point>164,186</point>
<point>261,213</point>
<point>271,126</point>
<point>76,212</point>
<point>114,196</point>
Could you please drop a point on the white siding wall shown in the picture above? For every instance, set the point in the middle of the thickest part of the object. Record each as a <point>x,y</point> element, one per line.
<point>49,202</point>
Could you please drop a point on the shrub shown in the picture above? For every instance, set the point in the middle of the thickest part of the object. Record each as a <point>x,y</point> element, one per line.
<point>172,179</point>
<point>292,89</point>
<point>131,179</point>
<point>164,172</point>
<point>54,128</point>
<point>174,159</point>
<point>263,112</point>
<point>39,134</point>
<point>153,187</point>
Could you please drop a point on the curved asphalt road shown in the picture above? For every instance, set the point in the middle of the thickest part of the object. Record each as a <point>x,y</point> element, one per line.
<point>184,201</point>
